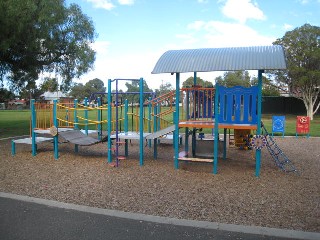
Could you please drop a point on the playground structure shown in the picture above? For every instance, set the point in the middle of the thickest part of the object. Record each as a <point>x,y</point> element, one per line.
<point>236,108</point>
<point>72,121</point>
<point>153,118</point>
<point>233,108</point>
<point>237,111</point>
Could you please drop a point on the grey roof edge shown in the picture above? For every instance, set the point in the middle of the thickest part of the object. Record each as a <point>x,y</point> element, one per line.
<point>222,59</point>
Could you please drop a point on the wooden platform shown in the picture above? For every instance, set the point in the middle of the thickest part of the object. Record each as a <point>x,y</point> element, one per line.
<point>196,159</point>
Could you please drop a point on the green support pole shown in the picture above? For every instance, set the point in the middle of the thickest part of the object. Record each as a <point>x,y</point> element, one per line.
<point>258,151</point>
<point>109,122</point>
<point>33,126</point>
<point>176,123</point>
<point>55,123</point>
<point>141,122</point>
<point>216,131</point>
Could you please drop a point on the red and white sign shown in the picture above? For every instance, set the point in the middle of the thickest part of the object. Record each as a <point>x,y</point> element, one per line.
<point>303,124</point>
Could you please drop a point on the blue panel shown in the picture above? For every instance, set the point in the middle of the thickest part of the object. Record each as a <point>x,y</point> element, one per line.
<point>235,105</point>
<point>278,124</point>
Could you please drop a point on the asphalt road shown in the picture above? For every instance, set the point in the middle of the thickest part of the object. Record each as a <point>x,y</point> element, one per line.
<point>29,220</point>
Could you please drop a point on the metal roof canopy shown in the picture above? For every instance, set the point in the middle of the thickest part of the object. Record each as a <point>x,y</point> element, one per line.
<point>221,59</point>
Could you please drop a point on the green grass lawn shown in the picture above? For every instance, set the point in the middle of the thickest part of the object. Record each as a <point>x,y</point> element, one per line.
<point>14,123</point>
<point>17,123</point>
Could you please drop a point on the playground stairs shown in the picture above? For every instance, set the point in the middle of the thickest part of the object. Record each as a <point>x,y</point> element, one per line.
<point>120,157</point>
<point>161,132</point>
<point>116,153</point>
<point>231,139</point>
<point>280,159</point>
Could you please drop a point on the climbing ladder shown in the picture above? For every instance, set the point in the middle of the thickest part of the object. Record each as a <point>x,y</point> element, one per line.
<point>280,159</point>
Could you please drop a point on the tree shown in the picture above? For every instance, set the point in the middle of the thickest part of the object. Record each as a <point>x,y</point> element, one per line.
<point>268,88</point>
<point>133,86</point>
<point>302,48</point>
<point>165,88</point>
<point>5,95</point>
<point>44,36</point>
<point>189,82</point>
<point>95,85</point>
<point>234,78</point>
<point>80,91</point>
<point>49,85</point>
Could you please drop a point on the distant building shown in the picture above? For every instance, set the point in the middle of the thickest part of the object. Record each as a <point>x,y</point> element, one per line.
<point>17,104</point>
<point>50,96</point>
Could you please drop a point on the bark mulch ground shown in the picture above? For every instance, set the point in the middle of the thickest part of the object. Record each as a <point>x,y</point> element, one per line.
<point>275,199</point>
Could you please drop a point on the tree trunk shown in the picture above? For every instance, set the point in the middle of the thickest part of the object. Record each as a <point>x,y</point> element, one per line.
<point>310,110</point>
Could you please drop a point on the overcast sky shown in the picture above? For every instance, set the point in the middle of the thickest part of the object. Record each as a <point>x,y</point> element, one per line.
<point>133,34</point>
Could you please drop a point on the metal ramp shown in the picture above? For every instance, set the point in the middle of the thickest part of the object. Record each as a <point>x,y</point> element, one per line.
<point>79,138</point>
<point>280,159</point>
<point>161,132</point>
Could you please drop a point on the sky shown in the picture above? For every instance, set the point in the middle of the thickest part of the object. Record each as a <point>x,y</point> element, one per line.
<point>133,34</point>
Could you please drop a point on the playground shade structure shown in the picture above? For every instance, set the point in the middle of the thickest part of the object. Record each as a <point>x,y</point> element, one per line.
<point>223,59</point>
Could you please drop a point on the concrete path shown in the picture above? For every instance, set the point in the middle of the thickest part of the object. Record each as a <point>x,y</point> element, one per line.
<point>23,217</point>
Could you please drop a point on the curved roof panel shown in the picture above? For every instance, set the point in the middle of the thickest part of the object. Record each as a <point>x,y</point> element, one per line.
<point>221,59</point>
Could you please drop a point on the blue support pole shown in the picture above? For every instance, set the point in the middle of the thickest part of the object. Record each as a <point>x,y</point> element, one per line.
<point>99,119</point>
<point>224,144</point>
<point>126,119</point>
<point>258,151</point>
<point>33,125</point>
<point>155,141</point>
<point>216,131</point>
<point>13,148</point>
<point>55,123</point>
<point>195,78</point>
<point>126,126</point>
<point>117,124</point>
<point>109,122</point>
<point>141,122</point>
<point>176,123</point>
<point>186,140</point>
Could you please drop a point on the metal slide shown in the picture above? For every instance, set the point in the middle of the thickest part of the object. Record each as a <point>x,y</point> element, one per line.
<point>280,159</point>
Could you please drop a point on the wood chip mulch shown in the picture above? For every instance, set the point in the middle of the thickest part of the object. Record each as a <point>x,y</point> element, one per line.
<point>275,199</point>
